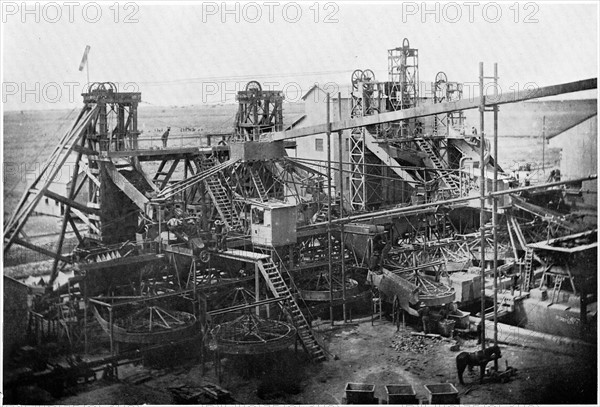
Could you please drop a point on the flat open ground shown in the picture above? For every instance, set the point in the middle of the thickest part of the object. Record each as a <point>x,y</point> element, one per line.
<point>368,354</point>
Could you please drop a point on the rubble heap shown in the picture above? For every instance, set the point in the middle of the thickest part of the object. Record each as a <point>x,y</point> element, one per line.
<point>405,342</point>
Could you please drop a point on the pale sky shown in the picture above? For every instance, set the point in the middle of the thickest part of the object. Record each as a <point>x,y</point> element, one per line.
<point>189,54</point>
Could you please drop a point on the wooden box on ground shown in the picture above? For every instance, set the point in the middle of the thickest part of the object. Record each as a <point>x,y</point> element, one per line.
<point>442,393</point>
<point>400,394</point>
<point>360,393</point>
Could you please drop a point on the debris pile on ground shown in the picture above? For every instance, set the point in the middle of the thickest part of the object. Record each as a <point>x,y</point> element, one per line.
<point>406,342</point>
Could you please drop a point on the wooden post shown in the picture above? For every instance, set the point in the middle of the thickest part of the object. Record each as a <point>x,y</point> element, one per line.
<point>110,321</point>
<point>159,209</point>
<point>341,191</point>
<point>85,317</point>
<point>257,287</point>
<point>67,215</point>
<point>194,273</point>
<point>495,213</point>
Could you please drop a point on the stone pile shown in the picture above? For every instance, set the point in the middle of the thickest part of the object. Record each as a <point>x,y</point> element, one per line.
<point>405,342</point>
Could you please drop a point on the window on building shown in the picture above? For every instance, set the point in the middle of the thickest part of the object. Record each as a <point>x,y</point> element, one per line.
<point>347,144</point>
<point>318,144</point>
<point>258,216</point>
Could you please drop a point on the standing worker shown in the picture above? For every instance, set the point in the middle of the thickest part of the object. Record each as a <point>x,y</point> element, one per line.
<point>165,137</point>
<point>424,314</point>
<point>221,235</point>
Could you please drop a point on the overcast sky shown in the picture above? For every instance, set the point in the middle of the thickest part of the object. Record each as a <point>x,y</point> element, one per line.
<point>190,54</point>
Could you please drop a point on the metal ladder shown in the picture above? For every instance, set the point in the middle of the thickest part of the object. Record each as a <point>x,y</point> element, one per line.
<point>280,290</point>
<point>259,186</point>
<point>558,280</point>
<point>528,264</point>
<point>439,166</point>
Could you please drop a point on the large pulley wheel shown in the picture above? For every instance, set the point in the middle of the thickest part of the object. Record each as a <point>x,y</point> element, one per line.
<point>356,77</point>
<point>368,76</point>
<point>253,85</point>
<point>441,77</point>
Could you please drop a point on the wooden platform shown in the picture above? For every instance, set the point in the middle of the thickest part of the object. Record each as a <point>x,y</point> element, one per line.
<point>242,255</point>
<point>165,154</point>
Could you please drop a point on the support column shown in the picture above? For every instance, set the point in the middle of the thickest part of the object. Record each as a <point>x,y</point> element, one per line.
<point>85,317</point>
<point>134,125</point>
<point>110,322</point>
<point>329,245</point>
<point>341,193</point>
<point>482,202</point>
<point>257,286</point>
<point>495,212</point>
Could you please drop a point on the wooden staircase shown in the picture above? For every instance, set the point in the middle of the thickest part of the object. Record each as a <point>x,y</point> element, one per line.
<point>259,186</point>
<point>222,202</point>
<point>280,290</point>
<point>219,194</point>
<point>440,168</point>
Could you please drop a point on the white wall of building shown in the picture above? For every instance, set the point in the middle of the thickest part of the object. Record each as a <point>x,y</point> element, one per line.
<point>315,147</point>
<point>579,151</point>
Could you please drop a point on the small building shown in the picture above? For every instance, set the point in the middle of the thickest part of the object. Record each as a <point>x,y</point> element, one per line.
<point>383,186</point>
<point>15,314</point>
<point>314,147</point>
<point>273,223</point>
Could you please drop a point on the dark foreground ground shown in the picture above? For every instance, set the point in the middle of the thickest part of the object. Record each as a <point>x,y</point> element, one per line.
<point>363,354</point>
